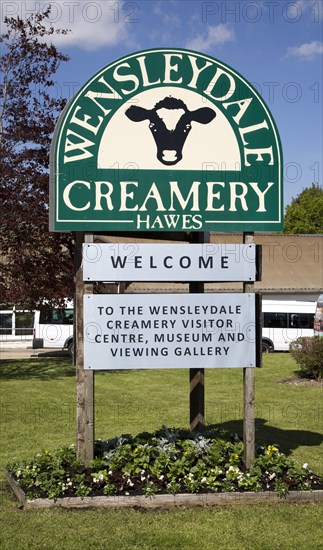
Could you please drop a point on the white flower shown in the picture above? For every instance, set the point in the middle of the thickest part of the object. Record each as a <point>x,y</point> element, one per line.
<point>101,477</point>
<point>161,477</point>
<point>305,466</point>
<point>110,472</point>
<point>130,483</point>
<point>272,475</point>
<point>142,478</point>
<point>127,494</point>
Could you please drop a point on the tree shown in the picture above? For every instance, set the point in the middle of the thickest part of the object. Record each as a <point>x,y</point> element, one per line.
<point>35,264</point>
<point>305,213</point>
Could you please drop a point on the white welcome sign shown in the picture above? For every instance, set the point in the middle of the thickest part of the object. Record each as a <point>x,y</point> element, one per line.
<point>164,262</point>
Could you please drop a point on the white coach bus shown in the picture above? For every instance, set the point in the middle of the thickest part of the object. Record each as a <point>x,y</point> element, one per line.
<point>283,321</point>
<point>53,328</point>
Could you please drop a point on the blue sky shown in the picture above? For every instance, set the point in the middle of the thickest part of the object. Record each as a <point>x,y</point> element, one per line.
<point>277,45</point>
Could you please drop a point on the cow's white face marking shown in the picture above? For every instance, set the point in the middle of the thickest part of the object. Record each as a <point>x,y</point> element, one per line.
<point>169,155</point>
<point>170,117</point>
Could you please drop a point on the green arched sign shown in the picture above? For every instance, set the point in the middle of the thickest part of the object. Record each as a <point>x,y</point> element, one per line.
<point>166,140</point>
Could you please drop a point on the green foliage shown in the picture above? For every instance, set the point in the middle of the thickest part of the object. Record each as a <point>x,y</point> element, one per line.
<point>305,213</point>
<point>35,263</point>
<point>51,474</point>
<point>165,461</point>
<point>308,354</point>
<point>280,472</point>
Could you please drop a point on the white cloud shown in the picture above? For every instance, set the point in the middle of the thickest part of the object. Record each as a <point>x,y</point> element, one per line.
<point>162,11</point>
<point>216,35</point>
<point>92,24</point>
<point>306,51</point>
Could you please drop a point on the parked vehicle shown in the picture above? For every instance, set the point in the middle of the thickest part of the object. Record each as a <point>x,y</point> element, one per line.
<point>284,321</point>
<point>53,328</point>
<point>318,317</point>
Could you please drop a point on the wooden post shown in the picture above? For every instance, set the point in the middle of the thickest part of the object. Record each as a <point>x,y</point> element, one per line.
<point>197,399</point>
<point>84,378</point>
<point>248,391</point>
<point>197,407</point>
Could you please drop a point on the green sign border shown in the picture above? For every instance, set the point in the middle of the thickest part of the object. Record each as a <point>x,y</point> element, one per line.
<point>272,220</point>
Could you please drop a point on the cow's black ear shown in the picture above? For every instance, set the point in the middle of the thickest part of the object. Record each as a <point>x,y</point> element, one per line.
<point>137,114</point>
<point>203,115</point>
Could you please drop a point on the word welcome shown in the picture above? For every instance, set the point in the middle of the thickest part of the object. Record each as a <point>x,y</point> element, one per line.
<point>160,262</point>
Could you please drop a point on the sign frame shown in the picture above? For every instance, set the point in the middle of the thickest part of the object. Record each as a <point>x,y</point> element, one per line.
<point>213,196</point>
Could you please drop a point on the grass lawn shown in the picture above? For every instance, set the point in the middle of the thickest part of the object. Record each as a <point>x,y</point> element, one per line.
<point>38,412</point>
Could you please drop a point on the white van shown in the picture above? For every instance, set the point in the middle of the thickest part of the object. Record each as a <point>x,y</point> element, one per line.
<point>318,318</point>
<point>283,321</point>
<point>53,328</point>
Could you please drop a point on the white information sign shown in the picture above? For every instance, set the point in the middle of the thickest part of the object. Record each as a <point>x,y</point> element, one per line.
<point>144,331</point>
<point>169,262</point>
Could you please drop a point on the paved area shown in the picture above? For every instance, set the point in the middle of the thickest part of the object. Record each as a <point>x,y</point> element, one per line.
<point>20,350</point>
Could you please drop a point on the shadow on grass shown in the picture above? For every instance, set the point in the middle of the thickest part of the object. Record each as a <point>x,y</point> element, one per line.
<point>46,366</point>
<point>53,354</point>
<point>286,440</point>
<point>40,369</point>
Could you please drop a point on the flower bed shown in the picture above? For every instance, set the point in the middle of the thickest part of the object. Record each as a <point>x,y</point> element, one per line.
<point>166,462</point>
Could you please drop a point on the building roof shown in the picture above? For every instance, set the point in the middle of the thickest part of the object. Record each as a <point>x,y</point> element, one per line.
<point>291,264</point>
